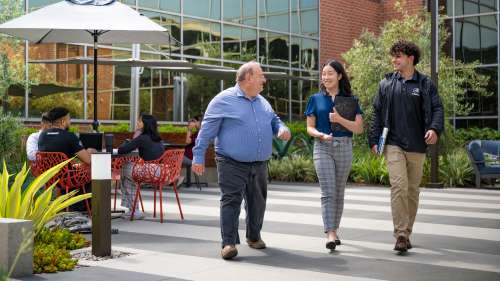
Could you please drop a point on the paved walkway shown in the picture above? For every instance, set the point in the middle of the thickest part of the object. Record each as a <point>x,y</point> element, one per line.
<point>457,237</point>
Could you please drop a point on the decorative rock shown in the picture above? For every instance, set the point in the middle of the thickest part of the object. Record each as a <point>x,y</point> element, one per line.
<point>86,254</point>
<point>15,236</point>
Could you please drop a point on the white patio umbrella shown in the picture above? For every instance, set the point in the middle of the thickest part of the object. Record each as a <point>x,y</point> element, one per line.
<point>87,21</point>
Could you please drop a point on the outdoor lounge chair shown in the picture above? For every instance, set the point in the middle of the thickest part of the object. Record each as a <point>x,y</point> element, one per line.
<point>484,169</point>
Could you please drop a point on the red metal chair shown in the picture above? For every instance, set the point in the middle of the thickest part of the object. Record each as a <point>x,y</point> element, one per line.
<point>72,176</point>
<point>116,167</point>
<point>165,170</point>
<point>35,171</point>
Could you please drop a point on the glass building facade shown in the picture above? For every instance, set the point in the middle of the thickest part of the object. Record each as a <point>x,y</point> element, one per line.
<point>473,26</point>
<point>283,35</point>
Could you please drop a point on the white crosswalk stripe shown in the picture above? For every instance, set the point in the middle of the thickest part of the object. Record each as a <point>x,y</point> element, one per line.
<point>314,202</point>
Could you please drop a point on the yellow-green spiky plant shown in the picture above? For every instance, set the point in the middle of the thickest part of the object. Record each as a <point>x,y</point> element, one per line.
<point>18,204</point>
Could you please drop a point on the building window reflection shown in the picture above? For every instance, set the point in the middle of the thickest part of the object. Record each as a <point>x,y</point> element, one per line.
<point>468,7</point>
<point>274,14</point>
<point>202,8</point>
<point>473,27</point>
<point>173,26</point>
<point>201,38</point>
<point>476,38</point>
<point>239,43</point>
<point>241,11</point>
<point>273,48</point>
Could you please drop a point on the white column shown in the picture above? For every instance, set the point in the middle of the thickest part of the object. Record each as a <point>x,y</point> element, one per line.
<point>134,87</point>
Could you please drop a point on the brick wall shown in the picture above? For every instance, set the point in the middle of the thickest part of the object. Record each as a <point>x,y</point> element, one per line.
<point>343,21</point>
<point>411,6</point>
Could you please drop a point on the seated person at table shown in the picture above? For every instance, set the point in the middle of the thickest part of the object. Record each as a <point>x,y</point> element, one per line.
<point>32,142</point>
<point>150,147</point>
<point>59,139</point>
<point>193,127</point>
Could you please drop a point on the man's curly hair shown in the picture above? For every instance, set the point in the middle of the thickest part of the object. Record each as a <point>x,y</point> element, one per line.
<point>407,48</point>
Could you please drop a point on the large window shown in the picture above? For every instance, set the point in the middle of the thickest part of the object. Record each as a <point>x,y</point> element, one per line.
<point>276,92</point>
<point>202,8</point>
<point>121,94</point>
<point>173,26</point>
<point>476,38</point>
<point>467,7</point>
<point>201,38</point>
<point>273,48</point>
<point>274,14</point>
<point>63,83</point>
<point>309,54</point>
<point>242,12</point>
<point>170,5</point>
<point>239,43</point>
<point>473,26</point>
<point>304,17</point>
<point>302,90</point>
<point>485,105</point>
<point>199,90</point>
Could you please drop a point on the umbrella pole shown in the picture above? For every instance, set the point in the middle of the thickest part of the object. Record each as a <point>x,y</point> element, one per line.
<point>95,124</point>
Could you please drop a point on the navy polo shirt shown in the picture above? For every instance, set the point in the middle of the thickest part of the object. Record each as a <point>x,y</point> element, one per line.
<point>320,105</point>
<point>408,128</point>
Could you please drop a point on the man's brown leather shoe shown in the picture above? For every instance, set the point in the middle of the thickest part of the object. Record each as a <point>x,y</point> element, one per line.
<point>401,244</point>
<point>259,244</point>
<point>229,252</point>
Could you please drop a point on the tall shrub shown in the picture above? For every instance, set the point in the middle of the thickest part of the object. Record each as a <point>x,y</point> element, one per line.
<point>10,140</point>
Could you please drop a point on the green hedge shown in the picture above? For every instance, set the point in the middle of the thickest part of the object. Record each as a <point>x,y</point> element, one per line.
<point>463,136</point>
<point>118,128</point>
<point>454,169</point>
<point>293,168</point>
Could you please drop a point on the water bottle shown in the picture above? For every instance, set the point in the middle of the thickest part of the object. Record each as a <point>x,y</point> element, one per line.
<point>381,141</point>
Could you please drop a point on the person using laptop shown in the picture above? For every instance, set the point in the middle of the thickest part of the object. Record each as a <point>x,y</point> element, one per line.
<point>148,142</point>
<point>59,139</point>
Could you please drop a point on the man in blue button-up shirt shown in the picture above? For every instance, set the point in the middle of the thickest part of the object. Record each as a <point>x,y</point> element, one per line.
<point>243,124</point>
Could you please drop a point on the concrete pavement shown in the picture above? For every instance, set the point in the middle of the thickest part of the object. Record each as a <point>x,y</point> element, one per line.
<point>456,237</point>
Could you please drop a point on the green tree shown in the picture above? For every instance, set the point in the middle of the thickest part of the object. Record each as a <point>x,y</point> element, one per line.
<point>9,9</point>
<point>368,60</point>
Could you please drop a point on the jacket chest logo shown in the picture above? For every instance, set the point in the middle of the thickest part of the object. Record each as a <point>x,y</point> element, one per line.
<point>415,92</point>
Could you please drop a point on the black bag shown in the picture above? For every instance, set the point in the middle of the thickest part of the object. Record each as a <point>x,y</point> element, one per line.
<point>347,107</point>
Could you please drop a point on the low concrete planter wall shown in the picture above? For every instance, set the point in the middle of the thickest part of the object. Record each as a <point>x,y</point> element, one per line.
<point>13,233</point>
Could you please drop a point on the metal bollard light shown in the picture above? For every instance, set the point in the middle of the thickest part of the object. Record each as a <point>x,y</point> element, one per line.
<point>101,204</point>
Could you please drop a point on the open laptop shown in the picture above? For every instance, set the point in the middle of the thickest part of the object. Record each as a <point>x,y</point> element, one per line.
<point>93,140</point>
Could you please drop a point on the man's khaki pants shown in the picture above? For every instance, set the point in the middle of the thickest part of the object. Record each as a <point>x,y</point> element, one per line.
<point>405,173</point>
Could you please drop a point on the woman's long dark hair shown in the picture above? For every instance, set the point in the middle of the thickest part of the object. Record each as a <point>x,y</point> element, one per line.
<point>150,127</point>
<point>344,84</point>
